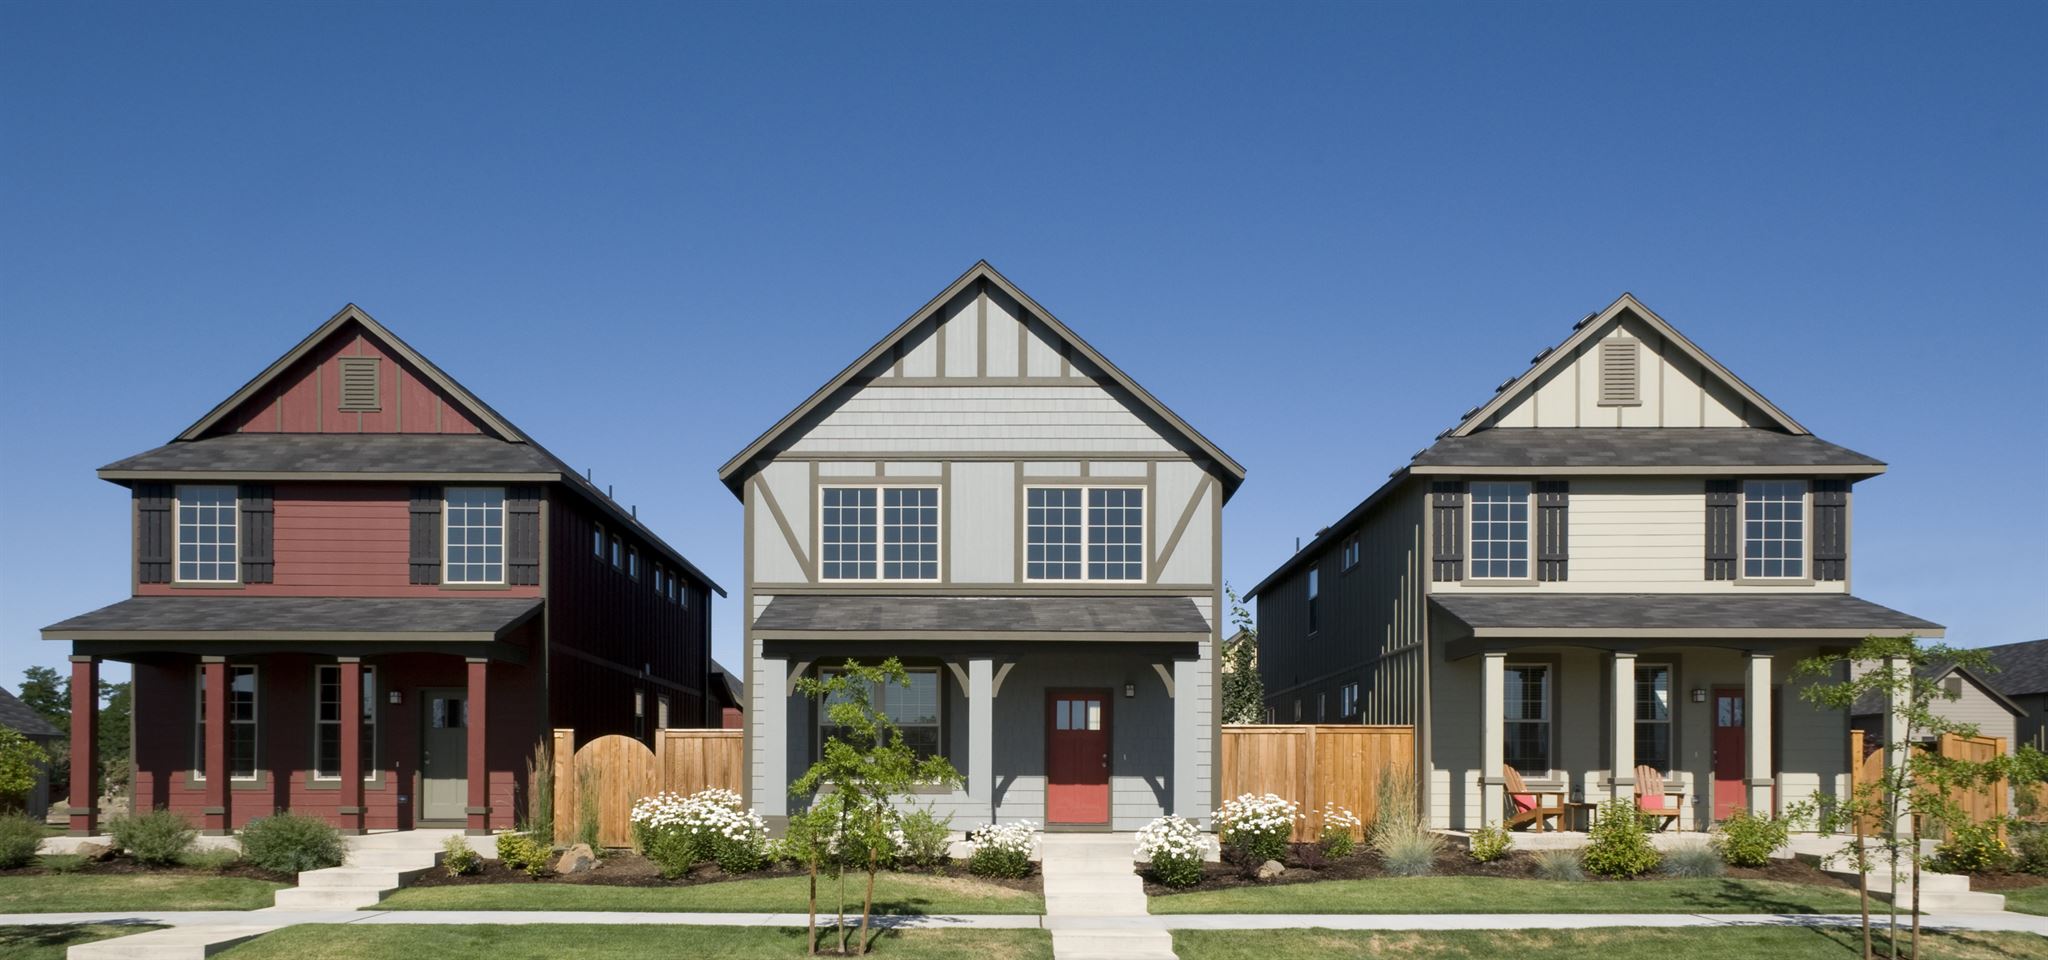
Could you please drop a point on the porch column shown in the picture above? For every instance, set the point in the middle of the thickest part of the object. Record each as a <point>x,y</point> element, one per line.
<point>1622,779</point>
<point>1492,734</point>
<point>479,773</point>
<point>349,805</point>
<point>981,734</point>
<point>85,746</point>
<point>214,819</point>
<point>1896,745</point>
<point>1756,732</point>
<point>1188,801</point>
<point>767,721</point>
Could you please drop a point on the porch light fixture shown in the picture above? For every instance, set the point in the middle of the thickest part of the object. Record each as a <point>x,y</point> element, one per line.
<point>1130,690</point>
<point>397,698</point>
<point>1699,695</point>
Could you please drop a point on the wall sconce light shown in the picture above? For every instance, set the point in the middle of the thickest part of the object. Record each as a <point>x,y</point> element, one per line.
<point>397,698</point>
<point>1699,695</point>
<point>1130,690</point>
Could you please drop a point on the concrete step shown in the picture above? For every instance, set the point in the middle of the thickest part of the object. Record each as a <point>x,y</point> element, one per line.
<point>1112,945</point>
<point>381,878</point>
<point>1949,901</point>
<point>178,943</point>
<point>400,859</point>
<point>1091,906</point>
<point>330,898</point>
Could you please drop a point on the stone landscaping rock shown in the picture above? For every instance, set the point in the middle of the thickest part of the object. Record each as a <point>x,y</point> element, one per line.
<point>1270,869</point>
<point>94,852</point>
<point>577,859</point>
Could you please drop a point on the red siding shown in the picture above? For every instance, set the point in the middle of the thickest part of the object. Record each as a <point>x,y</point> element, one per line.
<point>307,397</point>
<point>341,540</point>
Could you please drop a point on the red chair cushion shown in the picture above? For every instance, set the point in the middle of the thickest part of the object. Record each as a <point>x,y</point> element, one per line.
<point>1525,802</point>
<point>1650,803</point>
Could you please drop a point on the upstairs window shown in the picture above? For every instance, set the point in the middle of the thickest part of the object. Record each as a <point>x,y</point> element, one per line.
<point>1774,529</point>
<point>207,526</point>
<point>618,553</point>
<point>1315,598</point>
<point>879,533</point>
<point>1103,540</point>
<point>597,542</point>
<point>1500,530</point>
<point>475,518</point>
<point>660,581</point>
<point>1351,552</point>
<point>675,590</point>
<point>1347,701</point>
<point>328,718</point>
<point>633,563</point>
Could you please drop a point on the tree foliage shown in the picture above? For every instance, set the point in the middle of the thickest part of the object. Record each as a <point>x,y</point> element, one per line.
<point>20,759</point>
<point>1244,694</point>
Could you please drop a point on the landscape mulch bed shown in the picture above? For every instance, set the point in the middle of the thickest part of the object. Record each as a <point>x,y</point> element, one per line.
<point>2001,882</point>
<point>122,865</point>
<point>1305,863</point>
<point>632,870</point>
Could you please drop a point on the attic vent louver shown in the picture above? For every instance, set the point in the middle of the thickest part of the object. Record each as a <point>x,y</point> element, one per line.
<point>359,385</point>
<point>1620,373</point>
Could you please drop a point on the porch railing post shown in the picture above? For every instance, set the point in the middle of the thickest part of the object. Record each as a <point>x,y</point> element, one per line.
<point>84,806</point>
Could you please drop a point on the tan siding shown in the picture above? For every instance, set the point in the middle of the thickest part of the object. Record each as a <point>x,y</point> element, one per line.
<point>967,419</point>
<point>1672,394</point>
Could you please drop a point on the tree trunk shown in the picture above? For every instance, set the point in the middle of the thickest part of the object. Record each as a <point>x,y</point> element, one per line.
<point>811,931</point>
<point>1916,893</point>
<point>867,906</point>
<point>1863,884</point>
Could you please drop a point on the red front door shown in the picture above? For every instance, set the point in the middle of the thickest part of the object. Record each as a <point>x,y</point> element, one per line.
<point>1077,756</point>
<point>1730,794</point>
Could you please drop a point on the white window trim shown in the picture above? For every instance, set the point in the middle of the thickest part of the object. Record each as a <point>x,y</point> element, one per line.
<point>1471,558</point>
<point>1088,533</point>
<point>1805,574</point>
<point>504,538</point>
<point>198,772</point>
<point>1670,720</point>
<point>818,544</point>
<point>178,533</point>
<point>369,771</point>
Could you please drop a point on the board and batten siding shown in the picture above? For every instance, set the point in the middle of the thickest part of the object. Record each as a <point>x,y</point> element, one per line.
<point>1673,390</point>
<point>307,397</point>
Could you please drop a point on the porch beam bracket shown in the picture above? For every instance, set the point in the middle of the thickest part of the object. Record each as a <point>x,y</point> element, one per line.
<point>802,666</point>
<point>1165,676</point>
<point>960,674</point>
<point>1002,670</point>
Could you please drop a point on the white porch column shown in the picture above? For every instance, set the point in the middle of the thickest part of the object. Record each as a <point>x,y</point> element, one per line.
<point>1622,750</point>
<point>1188,801</point>
<point>1492,736</point>
<point>1756,732</point>
<point>981,734</point>
<point>767,719</point>
<point>1896,744</point>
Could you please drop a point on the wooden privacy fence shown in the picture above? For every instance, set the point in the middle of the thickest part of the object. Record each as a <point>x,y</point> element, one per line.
<point>620,770</point>
<point>1315,764</point>
<point>1981,804</point>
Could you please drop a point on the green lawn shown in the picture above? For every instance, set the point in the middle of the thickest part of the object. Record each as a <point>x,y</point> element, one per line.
<point>48,942</point>
<point>1499,895</point>
<point>1746,943</point>
<point>895,893</point>
<point>556,941</point>
<point>2032,900</point>
<point>94,893</point>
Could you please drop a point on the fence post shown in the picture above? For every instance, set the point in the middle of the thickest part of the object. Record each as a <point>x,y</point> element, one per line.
<point>565,783</point>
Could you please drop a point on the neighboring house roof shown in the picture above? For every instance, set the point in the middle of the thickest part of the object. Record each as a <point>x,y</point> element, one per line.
<point>249,455</point>
<point>1632,449</point>
<point>16,715</point>
<point>736,470</point>
<point>732,691</point>
<point>1703,615</point>
<point>299,619</point>
<point>2022,667</point>
<point>1871,702</point>
<point>1079,618</point>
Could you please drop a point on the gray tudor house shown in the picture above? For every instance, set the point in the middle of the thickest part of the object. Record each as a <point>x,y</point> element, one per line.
<point>1615,561</point>
<point>986,497</point>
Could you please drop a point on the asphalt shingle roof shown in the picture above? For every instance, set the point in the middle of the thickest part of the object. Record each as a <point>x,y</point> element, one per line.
<point>343,453</point>
<point>1637,447</point>
<point>16,715</point>
<point>1703,612</point>
<point>365,616</point>
<point>2022,668</point>
<point>994,615</point>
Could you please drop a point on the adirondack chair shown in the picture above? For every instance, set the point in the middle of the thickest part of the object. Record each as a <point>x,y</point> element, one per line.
<point>1652,799</point>
<point>1526,806</point>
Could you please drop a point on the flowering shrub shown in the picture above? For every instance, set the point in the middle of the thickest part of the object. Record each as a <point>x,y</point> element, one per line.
<point>679,832</point>
<point>1973,848</point>
<point>1174,847</point>
<point>1257,827</point>
<point>1339,831</point>
<point>1003,850</point>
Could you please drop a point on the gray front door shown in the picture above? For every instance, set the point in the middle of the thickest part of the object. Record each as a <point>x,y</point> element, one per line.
<point>444,754</point>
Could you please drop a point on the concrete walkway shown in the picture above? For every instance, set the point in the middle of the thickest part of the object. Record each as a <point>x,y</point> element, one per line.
<point>1090,882</point>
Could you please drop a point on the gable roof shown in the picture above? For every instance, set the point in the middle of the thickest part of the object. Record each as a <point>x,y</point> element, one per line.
<point>736,470</point>
<point>1592,326</point>
<point>16,715</point>
<point>2022,667</point>
<point>1872,702</point>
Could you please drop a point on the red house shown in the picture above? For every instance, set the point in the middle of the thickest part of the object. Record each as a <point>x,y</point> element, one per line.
<point>361,593</point>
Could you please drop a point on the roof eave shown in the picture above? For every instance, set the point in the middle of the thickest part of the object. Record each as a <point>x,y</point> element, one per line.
<point>1857,470</point>
<point>1344,523</point>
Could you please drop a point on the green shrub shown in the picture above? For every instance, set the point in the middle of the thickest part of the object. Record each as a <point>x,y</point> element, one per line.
<point>214,860</point>
<point>1973,848</point>
<point>588,817</point>
<point>521,851</point>
<point>1340,829</point>
<point>927,840</point>
<point>1747,840</point>
<point>60,862</point>
<point>1559,865</point>
<point>19,837</point>
<point>2030,847</point>
<point>1693,862</point>
<point>674,852</point>
<point>1619,844</point>
<point>156,839</point>
<point>458,857</point>
<point>287,843</point>
<point>1411,854</point>
<point>540,793</point>
<point>1490,843</point>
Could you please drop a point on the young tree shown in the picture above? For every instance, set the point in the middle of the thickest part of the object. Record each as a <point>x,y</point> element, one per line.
<point>20,759</point>
<point>1916,785</point>
<point>1244,694</point>
<point>48,693</point>
<point>866,765</point>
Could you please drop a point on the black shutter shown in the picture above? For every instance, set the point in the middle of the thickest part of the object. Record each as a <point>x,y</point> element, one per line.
<point>426,535</point>
<point>153,532</point>
<point>1830,529</point>
<point>1553,548</point>
<point>522,535</point>
<point>1447,508</point>
<point>1723,545</point>
<point>258,533</point>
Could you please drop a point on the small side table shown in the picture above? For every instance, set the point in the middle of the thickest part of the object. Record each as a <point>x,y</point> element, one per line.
<point>1577,810</point>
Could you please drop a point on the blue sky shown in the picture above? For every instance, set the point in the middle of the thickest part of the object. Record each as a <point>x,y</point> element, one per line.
<point>1319,232</point>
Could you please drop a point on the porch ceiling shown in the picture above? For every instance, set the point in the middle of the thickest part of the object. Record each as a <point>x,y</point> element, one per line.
<point>1697,616</point>
<point>251,620</point>
<point>1098,619</point>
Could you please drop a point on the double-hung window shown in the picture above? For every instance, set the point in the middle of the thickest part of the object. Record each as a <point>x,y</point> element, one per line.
<point>1500,530</point>
<point>328,716</point>
<point>476,534</point>
<point>1774,529</point>
<point>1527,717</point>
<point>660,581</point>
<point>1347,701</point>
<point>1084,533</point>
<point>241,734</point>
<point>878,533</point>
<point>1351,552</point>
<point>1653,715</point>
<point>207,528</point>
<point>914,710</point>
<point>1315,600</point>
